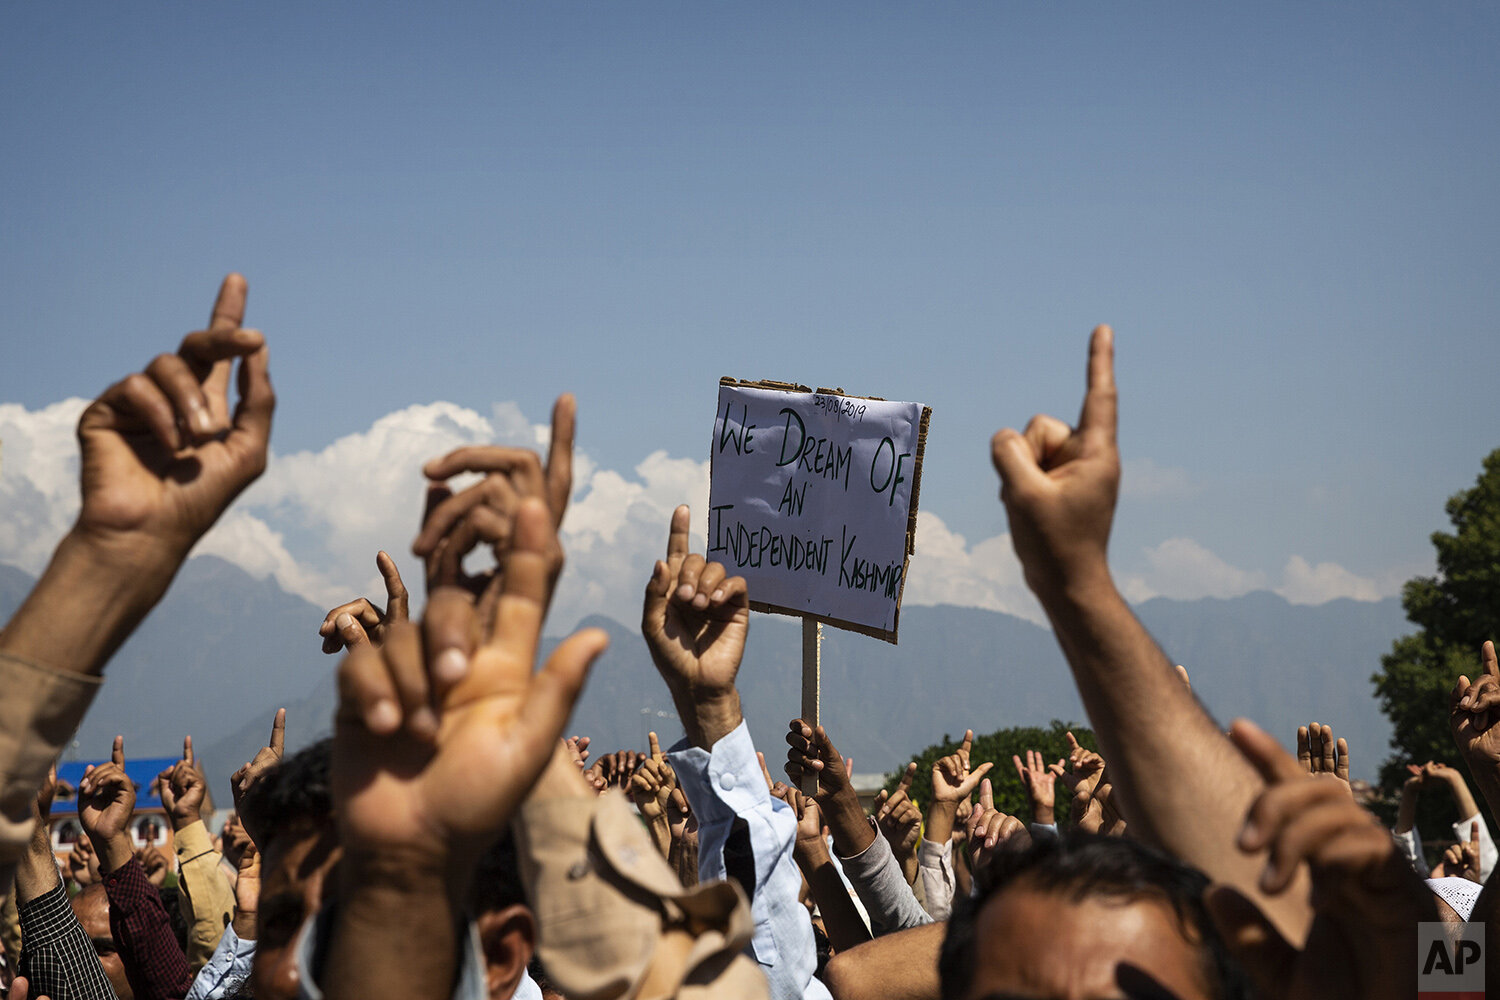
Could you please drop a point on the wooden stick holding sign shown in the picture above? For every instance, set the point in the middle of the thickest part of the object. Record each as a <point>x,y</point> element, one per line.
<point>813,500</point>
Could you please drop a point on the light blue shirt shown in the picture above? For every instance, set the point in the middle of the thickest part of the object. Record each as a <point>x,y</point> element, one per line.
<point>722,786</point>
<point>229,965</point>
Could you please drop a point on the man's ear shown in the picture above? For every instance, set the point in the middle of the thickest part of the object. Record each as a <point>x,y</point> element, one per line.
<point>508,937</point>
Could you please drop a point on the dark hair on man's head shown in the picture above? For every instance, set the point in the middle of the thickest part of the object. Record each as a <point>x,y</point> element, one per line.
<point>497,878</point>
<point>296,792</point>
<point>1080,866</point>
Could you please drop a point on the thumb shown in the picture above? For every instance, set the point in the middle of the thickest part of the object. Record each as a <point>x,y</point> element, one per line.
<point>1015,460</point>
<point>1261,950</point>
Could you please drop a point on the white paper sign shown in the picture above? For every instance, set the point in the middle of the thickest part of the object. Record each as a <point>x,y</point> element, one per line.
<point>811,500</point>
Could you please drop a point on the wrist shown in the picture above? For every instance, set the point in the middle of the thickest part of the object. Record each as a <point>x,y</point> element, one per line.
<point>1044,815</point>
<point>708,715</point>
<point>1077,582</point>
<point>114,851</point>
<point>181,821</point>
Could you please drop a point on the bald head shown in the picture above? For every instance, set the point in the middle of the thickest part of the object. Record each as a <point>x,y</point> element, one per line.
<point>91,907</point>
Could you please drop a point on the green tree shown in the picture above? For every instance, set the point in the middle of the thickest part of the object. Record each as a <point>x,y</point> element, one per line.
<point>1454,611</point>
<point>999,747</point>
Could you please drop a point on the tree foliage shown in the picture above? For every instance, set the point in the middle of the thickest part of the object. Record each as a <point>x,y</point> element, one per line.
<point>999,747</point>
<point>1455,612</point>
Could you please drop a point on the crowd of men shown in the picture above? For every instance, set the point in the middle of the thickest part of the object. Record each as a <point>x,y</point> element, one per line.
<point>449,841</point>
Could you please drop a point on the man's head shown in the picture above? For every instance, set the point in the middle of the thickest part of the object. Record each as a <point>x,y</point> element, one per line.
<point>507,927</point>
<point>296,803</point>
<point>91,907</point>
<point>1086,916</point>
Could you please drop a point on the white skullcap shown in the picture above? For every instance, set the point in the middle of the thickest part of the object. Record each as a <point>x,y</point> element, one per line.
<point>1459,893</point>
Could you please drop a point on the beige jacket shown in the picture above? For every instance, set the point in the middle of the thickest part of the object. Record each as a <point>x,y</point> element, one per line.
<point>207,896</point>
<point>614,921</point>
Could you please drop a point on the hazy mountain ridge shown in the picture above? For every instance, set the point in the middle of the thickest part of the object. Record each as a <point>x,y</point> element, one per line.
<point>223,650</point>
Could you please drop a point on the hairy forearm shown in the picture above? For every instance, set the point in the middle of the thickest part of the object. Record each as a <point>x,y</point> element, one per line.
<point>899,966</point>
<point>36,873</point>
<point>396,933</point>
<point>1191,804</point>
<point>87,602</point>
<point>707,716</point>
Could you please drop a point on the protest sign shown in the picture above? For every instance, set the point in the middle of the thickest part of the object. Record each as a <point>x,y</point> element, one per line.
<point>813,499</point>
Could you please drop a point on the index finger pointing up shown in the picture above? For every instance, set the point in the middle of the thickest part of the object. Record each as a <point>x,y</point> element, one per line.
<point>655,746</point>
<point>229,307</point>
<point>278,731</point>
<point>1491,663</point>
<point>117,752</point>
<point>1100,402</point>
<point>986,795</point>
<point>560,456</point>
<point>187,749</point>
<point>677,537</point>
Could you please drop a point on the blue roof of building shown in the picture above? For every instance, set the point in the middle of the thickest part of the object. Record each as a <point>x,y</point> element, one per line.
<point>142,771</point>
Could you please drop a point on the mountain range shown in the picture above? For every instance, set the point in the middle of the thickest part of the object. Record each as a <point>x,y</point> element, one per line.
<point>223,650</point>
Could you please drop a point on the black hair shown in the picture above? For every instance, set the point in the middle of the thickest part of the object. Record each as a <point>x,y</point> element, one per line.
<point>497,878</point>
<point>1077,866</point>
<point>296,792</point>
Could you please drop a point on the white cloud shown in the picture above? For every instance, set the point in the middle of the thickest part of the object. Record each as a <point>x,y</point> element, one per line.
<point>38,480</point>
<point>1305,584</point>
<point>316,518</point>
<point>1143,479</point>
<point>944,570</point>
<point>1182,569</point>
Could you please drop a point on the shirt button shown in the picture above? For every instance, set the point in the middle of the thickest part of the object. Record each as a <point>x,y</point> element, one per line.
<point>578,871</point>
<point>726,781</point>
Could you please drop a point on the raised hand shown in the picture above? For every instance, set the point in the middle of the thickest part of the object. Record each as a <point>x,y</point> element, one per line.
<point>1087,769</point>
<point>651,788</point>
<point>1319,754</point>
<point>695,618</point>
<point>486,512</point>
<point>952,778</point>
<point>106,801</point>
<point>242,780</point>
<point>1038,779</point>
<point>1462,859</point>
<point>162,455</point>
<point>954,782</point>
<point>154,864</point>
<point>359,621</point>
<point>83,863</point>
<point>1059,484</point>
<point>989,829</point>
<point>578,749</point>
<point>811,752</point>
<point>900,822</point>
<point>1474,717</point>
<point>440,734</point>
<point>182,787</point>
<point>1367,900</point>
<point>247,892</point>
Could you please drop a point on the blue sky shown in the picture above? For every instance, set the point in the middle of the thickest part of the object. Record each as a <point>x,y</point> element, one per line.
<point>1288,213</point>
